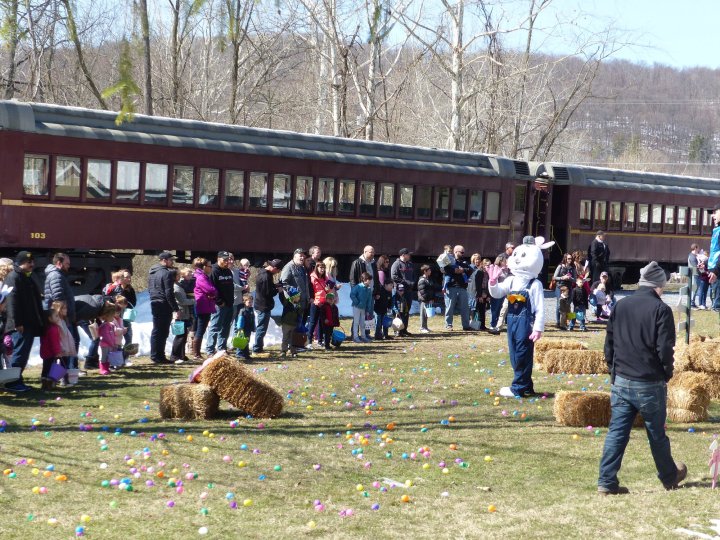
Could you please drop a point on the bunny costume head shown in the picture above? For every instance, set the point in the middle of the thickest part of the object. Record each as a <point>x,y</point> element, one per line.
<point>526,260</point>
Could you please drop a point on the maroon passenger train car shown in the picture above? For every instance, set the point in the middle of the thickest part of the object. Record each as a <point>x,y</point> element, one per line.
<point>73,178</point>
<point>647,216</point>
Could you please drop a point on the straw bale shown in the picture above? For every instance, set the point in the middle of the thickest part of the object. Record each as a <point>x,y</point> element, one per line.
<point>574,361</point>
<point>241,388</point>
<point>713,385</point>
<point>685,416</point>
<point>188,401</point>
<point>688,390</point>
<point>581,409</point>
<point>704,356</point>
<point>544,345</point>
<point>682,360</point>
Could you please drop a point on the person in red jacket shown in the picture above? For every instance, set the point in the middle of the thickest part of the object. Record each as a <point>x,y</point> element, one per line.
<point>330,318</point>
<point>50,347</point>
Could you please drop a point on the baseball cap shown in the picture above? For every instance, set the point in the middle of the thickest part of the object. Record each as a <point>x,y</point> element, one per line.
<point>604,274</point>
<point>601,233</point>
<point>223,255</point>
<point>299,251</point>
<point>404,251</point>
<point>276,263</point>
<point>716,207</point>
<point>24,256</point>
<point>165,255</point>
<point>400,287</point>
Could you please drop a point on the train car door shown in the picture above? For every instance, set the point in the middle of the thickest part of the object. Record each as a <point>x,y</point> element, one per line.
<point>559,223</point>
<point>541,209</point>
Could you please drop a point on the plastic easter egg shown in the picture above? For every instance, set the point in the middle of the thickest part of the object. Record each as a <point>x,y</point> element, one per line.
<point>492,508</point>
<point>203,530</point>
<point>247,502</point>
<point>405,498</point>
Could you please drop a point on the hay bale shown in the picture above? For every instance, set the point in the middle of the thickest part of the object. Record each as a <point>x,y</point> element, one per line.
<point>581,409</point>
<point>544,345</point>
<point>704,356</point>
<point>685,416</point>
<point>241,388</point>
<point>567,344</point>
<point>574,361</point>
<point>188,401</point>
<point>713,385</point>
<point>682,358</point>
<point>687,397</point>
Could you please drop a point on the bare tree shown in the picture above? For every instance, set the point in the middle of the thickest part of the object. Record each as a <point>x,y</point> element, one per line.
<point>74,37</point>
<point>141,8</point>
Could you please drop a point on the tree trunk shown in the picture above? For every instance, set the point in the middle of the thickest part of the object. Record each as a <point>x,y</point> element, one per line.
<point>145,29</point>
<point>175,51</point>
<point>456,83</point>
<point>11,23</point>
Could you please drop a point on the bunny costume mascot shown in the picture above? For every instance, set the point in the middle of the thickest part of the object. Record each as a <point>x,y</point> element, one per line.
<point>526,314</point>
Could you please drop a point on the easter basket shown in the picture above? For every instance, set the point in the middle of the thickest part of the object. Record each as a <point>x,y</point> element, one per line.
<point>338,336</point>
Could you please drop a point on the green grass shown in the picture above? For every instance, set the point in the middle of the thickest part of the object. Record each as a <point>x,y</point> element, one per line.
<point>539,476</point>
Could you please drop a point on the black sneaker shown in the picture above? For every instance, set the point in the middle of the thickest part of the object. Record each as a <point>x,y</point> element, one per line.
<point>620,490</point>
<point>17,387</point>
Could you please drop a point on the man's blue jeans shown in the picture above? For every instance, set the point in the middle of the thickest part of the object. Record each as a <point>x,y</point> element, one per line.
<point>261,326</point>
<point>22,345</point>
<point>457,296</point>
<point>220,324</point>
<point>627,399</point>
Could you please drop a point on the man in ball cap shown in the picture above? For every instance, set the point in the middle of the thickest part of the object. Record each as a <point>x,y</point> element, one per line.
<point>265,291</point>
<point>639,353</point>
<point>163,305</point>
<point>24,314</point>
<point>598,256</point>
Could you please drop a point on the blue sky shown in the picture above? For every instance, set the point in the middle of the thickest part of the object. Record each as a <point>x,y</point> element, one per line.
<point>672,32</point>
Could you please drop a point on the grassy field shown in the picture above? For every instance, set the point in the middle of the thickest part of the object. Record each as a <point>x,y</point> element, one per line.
<point>364,427</point>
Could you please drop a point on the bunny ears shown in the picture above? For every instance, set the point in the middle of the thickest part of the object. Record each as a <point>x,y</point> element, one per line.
<point>538,241</point>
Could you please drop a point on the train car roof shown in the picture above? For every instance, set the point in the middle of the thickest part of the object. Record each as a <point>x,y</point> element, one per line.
<point>57,120</point>
<point>581,175</point>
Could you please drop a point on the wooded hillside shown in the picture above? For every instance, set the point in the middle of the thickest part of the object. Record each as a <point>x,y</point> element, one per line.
<point>461,74</point>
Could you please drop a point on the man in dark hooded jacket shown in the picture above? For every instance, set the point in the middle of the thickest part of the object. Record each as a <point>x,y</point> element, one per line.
<point>24,315</point>
<point>162,305</point>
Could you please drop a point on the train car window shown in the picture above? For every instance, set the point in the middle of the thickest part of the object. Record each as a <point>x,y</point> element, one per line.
<point>476,205</point>
<point>326,196</point>
<point>406,202</point>
<point>387,200</point>
<point>492,212</point>
<point>424,202</point>
<point>234,189</point>
<point>614,216</point>
<point>67,177</point>
<point>585,221</point>
<point>682,220</point>
<point>209,187</point>
<point>303,193</point>
<point>156,183</point>
<point>442,203</point>
<point>281,192</point>
<point>629,216</point>
<point>127,187</point>
<point>346,198</point>
<point>257,197</point>
<point>460,196</point>
<point>520,194</point>
<point>35,175</point>
<point>600,216</point>
<point>643,223</point>
<point>669,223</point>
<point>656,218</point>
<point>98,179</point>
<point>694,221</point>
<point>367,198</point>
<point>183,184</point>
<point>707,220</point>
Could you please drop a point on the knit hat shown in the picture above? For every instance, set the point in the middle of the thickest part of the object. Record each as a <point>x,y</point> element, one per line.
<point>652,276</point>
